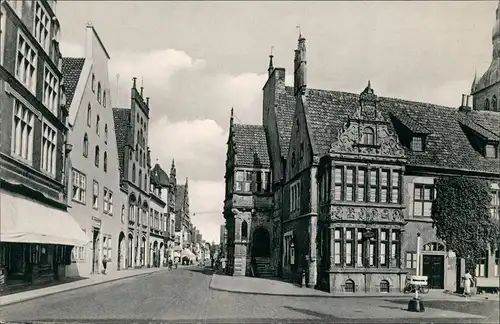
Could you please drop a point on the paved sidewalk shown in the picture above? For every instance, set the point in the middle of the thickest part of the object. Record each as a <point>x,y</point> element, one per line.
<point>91,281</point>
<point>260,286</point>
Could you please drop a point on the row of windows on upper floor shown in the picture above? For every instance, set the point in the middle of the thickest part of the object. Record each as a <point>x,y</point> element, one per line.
<point>45,30</point>
<point>23,129</point>
<point>377,186</point>
<point>255,181</point>
<point>157,220</point>
<point>79,193</point>
<point>26,69</point>
<point>491,104</point>
<point>101,94</point>
<point>97,124</point>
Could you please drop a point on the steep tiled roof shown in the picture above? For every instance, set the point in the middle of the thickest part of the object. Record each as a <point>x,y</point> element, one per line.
<point>284,115</point>
<point>251,146</point>
<point>71,70</point>
<point>158,176</point>
<point>121,120</point>
<point>447,145</point>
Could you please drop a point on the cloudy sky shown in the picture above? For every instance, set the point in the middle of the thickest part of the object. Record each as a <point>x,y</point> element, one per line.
<point>199,59</point>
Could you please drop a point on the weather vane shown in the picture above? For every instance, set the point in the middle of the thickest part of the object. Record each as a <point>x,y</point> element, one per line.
<point>300,32</point>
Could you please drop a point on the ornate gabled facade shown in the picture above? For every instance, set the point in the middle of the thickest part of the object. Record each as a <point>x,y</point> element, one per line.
<point>131,129</point>
<point>248,202</point>
<point>96,201</point>
<point>353,183</point>
<point>158,217</point>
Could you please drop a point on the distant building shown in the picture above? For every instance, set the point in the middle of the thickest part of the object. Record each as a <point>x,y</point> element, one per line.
<point>183,225</point>
<point>96,201</point>
<point>158,216</point>
<point>131,129</point>
<point>37,234</point>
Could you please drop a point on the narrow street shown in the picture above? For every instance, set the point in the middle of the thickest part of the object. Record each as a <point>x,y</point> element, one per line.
<point>183,296</point>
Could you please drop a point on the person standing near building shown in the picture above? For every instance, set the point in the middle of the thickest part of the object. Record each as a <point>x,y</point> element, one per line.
<point>467,283</point>
<point>104,264</point>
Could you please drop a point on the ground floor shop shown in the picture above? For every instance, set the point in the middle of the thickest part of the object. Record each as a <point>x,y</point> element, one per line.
<point>36,240</point>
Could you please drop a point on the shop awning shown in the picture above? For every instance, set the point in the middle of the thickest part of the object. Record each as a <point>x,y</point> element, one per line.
<point>23,220</point>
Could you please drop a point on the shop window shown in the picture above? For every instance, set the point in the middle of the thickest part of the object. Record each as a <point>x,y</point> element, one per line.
<point>384,286</point>
<point>349,286</point>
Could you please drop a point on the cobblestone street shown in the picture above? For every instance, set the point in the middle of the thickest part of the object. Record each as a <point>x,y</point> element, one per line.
<point>184,296</point>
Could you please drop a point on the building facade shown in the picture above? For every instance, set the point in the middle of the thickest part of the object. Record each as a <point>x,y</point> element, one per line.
<point>159,216</point>
<point>96,201</point>
<point>183,225</point>
<point>353,180</point>
<point>131,129</point>
<point>33,147</point>
<point>248,201</point>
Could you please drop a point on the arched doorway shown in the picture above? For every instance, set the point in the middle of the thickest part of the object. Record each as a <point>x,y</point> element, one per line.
<point>155,253</point>
<point>161,254</point>
<point>261,245</point>
<point>130,250</point>
<point>121,250</point>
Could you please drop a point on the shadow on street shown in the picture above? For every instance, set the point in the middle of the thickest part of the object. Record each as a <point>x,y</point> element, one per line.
<point>205,271</point>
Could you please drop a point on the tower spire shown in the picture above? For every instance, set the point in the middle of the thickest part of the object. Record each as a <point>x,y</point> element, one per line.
<point>271,65</point>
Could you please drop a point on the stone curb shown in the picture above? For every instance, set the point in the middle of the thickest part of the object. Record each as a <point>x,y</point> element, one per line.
<point>65,289</point>
<point>395,296</point>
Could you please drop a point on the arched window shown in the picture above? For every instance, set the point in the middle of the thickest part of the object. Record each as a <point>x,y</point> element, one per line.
<point>138,137</point>
<point>93,82</point>
<point>85,145</point>
<point>96,158</point>
<point>494,103</point>
<point>105,162</point>
<point>99,92</point>
<point>145,181</point>
<point>137,117</point>
<point>140,179</point>
<point>368,136</point>
<point>105,133</point>
<point>97,125</point>
<point>122,216</point>
<point>89,116</point>
<point>244,230</point>
<point>133,172</point>
<point>136,152</point>
<point>349,286</point>
<point>104,98</point>
<point>384,286</point>
<point>487,104</point>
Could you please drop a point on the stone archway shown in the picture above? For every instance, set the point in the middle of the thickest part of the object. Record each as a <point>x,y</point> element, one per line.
<point>121,252</point>
<point>155,254</point>
<point>261,243</point>
<point>130,255</point>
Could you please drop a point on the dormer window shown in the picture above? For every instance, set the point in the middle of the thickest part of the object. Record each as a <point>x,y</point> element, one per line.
<point>417,144</point>
<point>368,137</point>
<point>490,151</point>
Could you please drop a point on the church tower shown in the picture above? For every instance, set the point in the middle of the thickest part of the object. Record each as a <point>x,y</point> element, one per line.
<point>486,90</point>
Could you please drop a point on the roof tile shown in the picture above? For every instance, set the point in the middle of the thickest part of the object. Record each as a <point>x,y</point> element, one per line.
<point>251,146</point>
<point>71,70</point>
<point>121,118</point>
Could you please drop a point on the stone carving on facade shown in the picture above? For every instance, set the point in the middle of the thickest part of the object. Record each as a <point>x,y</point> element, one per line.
<point>351,213</point>
<point>346,140</point>
<point>385,214</point>
<point>337,213</point>
<point>397,216</point>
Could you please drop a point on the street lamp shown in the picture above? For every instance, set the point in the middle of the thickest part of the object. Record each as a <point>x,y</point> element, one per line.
<point>416,304</point>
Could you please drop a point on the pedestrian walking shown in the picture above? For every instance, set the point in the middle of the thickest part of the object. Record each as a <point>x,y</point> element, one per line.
<point>467,283</point>
<point>104,264</point>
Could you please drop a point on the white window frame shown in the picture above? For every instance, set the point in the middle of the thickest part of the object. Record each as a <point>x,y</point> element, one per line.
<point>295,194</point>
<point>48,159</point>
<point>44,26</point>
<point>79,180</point>
<point>105,200</point>
<point>22,144</point>
<point>95,195</point>
<point>3,23</point>
<point>31,83</point>
<point>287,255</point>
<point>50,90</point>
